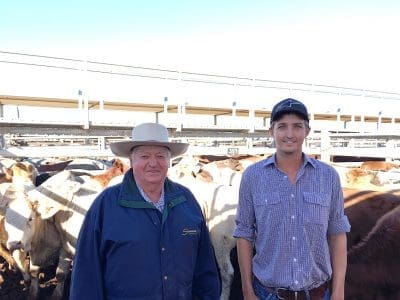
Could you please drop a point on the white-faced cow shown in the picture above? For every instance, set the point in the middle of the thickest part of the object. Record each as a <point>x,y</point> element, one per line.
<point>15,213</point>
<point>59,207</point>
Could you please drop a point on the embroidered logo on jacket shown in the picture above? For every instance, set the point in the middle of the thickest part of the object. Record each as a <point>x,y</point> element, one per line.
<point>189,231</point>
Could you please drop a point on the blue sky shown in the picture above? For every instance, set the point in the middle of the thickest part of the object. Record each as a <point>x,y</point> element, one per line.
<point>347,43</point>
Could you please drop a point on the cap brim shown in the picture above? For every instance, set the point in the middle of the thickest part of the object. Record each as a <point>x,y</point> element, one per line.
<point>123,149</point>
<point>289,111</point>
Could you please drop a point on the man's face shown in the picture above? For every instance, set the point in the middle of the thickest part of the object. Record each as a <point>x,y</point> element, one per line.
<point>289,133</point>
<point>150,164</point>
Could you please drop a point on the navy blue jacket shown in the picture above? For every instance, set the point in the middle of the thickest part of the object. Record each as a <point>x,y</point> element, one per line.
<point>127,249</point>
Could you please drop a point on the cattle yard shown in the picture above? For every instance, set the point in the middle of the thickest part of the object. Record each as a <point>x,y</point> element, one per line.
<point>62,138</point>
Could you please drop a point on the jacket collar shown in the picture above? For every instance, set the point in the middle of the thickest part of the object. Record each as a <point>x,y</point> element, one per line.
<point>130,195</point>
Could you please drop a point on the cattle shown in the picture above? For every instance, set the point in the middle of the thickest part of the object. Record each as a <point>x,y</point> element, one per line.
<point>211,158</point>
<point>48,166</point>
<point>214,181</point>
<point>379,165</point>
<point>184,166</point>
<point>60,205</point>
<point>221,223</point>
<point>6,176</point>
<point>223,171</point>
<point>215,185</point>
<point>359,176</point>
<point>6,162</point>
<point>15,212</point>
<point>87,164</point>
<point>364,208</point>
<point>4,252</point>
<point>118,168</point>
<point>374,263</point>
<point>218,203</point>
<point>213,168</point>
<point>369,180</point>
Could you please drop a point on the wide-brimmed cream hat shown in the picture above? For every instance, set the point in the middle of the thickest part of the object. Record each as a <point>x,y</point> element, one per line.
<point>148,134</point>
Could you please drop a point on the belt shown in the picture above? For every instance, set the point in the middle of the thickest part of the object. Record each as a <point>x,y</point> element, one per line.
<point>317,293</point>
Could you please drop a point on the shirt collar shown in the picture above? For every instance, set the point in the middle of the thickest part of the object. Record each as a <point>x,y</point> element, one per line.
<point>159,204</point>
<point>306,160</point>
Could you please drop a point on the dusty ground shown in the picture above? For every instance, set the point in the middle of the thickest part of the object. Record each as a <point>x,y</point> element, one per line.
<point>13,287</point>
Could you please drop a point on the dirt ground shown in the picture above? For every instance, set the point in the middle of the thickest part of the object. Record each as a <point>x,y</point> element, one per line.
<point>12,285</point>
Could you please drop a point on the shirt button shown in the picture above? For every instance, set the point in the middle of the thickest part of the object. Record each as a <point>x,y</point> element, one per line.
<point>162,249</point>
<point>293,238</point>
<point>165,277</point>
<point>296,282</point>
<point>292,195</point>
<point>294,259</point>
<point>292,217</point>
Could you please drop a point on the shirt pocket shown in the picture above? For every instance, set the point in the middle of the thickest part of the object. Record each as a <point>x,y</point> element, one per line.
<point>271,198</point>
<point>316,208</point>
<point>268,207</point>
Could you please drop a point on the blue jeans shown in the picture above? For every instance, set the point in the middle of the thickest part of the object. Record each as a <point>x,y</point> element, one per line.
<point>263,294</point>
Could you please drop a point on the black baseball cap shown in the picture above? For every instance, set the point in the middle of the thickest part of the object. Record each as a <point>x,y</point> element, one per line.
<point>289,105</point>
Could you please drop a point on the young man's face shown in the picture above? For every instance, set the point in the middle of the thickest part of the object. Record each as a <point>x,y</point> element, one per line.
<point>289,133</point>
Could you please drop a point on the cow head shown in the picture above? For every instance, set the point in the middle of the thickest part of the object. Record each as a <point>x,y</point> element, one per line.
<point>18,218</point>
<point>120,165</point>
<point>24,172</point>
<point>6,176</point>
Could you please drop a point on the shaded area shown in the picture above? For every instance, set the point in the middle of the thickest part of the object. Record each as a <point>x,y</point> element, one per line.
<point>12,286</point>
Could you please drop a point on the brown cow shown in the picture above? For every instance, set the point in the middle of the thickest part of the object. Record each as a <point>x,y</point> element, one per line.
<point>374,264</point>
<point>118,168</point>
<point>364,208</point>
<point>373,165</point>
<point>24,171</point>
<point>6,176</point>
<point>358,175</point>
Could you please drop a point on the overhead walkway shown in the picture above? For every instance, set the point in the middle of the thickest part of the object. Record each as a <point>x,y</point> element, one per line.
<point>42,96</point>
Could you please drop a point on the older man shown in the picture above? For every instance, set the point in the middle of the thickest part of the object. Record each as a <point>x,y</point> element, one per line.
<point>146,237</point>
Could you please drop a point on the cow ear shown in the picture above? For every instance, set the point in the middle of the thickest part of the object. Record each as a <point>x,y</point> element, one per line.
<point>45,206</point>
<point>9,172</point>
<point>34,205</point>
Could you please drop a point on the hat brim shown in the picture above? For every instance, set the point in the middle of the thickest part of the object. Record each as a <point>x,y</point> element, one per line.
<point>123,149</point>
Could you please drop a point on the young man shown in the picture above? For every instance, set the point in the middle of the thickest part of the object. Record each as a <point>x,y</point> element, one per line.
<point>291,213</point>
<point>145,238</point>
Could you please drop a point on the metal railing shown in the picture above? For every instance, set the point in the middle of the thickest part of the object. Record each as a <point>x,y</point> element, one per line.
<point>185,76</point>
